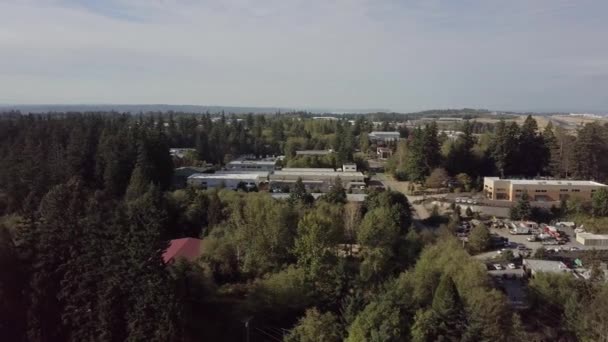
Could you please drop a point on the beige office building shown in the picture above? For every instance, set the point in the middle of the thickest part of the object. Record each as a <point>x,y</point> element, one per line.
<point>539,190</point>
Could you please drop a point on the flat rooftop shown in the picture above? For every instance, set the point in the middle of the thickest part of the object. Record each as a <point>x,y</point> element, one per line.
<point>225,176</point>
<point>308,169</point>
<point>384,133</point>
<point>319,173</point>
<point>314,152</point>
<point>252,162</point>
<point>538,265</point>
<point>592,236</point>
<point>565,182</point>
<point>248,172</point>
<point>349,197</point>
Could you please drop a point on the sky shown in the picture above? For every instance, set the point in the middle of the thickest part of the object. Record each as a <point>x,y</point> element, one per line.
<point>402,55</point>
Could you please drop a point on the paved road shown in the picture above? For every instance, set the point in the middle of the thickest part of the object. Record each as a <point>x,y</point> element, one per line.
<point>419,211</point>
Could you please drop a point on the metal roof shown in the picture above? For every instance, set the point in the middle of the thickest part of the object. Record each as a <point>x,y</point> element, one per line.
<point>225,176</point>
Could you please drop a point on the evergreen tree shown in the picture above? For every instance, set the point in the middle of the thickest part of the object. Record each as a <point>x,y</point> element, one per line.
<point>449,309</point>
<point>417,167</point>
<point>532,149</point>
<point>591,148</point>
<point>12,282</point>
<point>600,202</point>
<point>553,165</point>
<point>431,147</point>
<point>504,147</point>
<point>299,193</point>
<point>336,193</point>
<point>522,210</point>
<point>202,146</point>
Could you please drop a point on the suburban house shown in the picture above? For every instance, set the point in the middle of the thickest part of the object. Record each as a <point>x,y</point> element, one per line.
<point>539,190</point>
<point>384,152</point>
<point>187,248</point>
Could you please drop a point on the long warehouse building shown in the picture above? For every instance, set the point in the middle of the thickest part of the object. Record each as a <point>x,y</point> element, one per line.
<point>314,179</point>
<point>227,180</point>
<point>495,188</point>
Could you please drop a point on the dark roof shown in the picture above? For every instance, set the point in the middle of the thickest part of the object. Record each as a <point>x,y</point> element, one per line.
<point>187,248</point>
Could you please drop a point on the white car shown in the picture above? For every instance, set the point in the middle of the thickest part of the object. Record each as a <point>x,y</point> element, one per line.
<point>497,266</point>
<point>458,199</point>
<point>470,201</point>
<point>574,249</point>
<point>512,266</point>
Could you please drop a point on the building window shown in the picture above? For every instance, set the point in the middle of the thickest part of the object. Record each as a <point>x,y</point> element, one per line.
<point>576,190</point>
<point>563,190</point>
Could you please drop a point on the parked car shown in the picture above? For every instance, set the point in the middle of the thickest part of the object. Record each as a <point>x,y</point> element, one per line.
<point>458,200</point>
<point>470,201</point>
<point>574,249</point>
<point>498,267</point>
<point>512,266</point>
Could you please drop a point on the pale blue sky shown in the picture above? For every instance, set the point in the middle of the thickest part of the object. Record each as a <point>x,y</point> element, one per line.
<point>539,55</point>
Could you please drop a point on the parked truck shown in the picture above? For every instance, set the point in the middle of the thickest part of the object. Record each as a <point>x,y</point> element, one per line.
<point>517,228</point>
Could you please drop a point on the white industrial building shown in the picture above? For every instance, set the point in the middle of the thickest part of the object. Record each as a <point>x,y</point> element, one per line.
<point>314,152</point>
<point>377,136</point>
<point>251,165</point>
<point>589,239</point>
<point>535,266</point>
<point>319,179</point>
<point>227,180</point>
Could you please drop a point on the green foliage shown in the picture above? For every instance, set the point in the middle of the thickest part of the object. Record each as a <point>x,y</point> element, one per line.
<point>316,327</point>
<point>336,193</point>
<point>318,232</point>
<point>448,319</point>
<point>600,202</point>
<point>86,262</point>
<point>287,290</point>
<point>479,239</point>
<point>379,228</point>
<point>591,148</point>
<point>379,322</point>
<point>437,179</point>
<point>423,152</point>
<point>522,210</point>
<point>299,193</point>
<point>391,199</point>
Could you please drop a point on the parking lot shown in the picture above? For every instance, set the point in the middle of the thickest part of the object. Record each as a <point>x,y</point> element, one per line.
<point>521,239</point>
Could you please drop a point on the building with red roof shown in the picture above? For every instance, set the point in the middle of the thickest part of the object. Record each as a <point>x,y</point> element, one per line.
<point>187,248</point>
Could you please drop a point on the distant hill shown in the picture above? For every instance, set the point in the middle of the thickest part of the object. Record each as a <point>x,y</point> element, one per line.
<point>144,108</point>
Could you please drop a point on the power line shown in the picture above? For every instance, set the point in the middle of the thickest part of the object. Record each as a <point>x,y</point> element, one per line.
<point>269,335</point>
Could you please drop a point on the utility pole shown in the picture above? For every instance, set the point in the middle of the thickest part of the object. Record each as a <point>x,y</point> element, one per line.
<point>246,321</point>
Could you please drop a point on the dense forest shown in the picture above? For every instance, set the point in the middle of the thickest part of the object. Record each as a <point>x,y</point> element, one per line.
<point>88,207</point>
